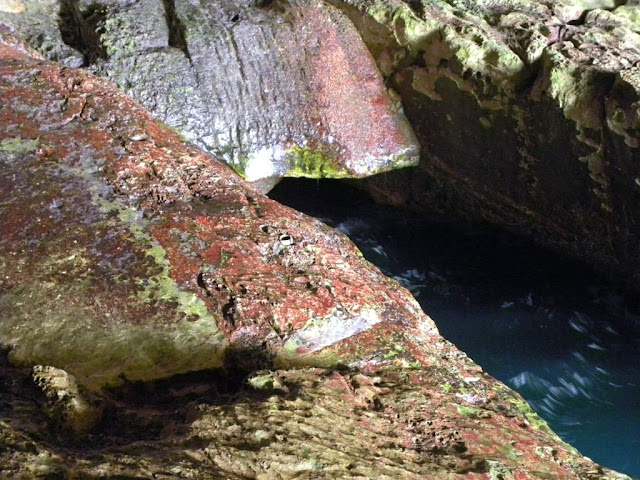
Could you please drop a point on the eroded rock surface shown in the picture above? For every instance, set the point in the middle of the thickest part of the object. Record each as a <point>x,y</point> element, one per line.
<point>66,404</point>
<point>435,423</point>
<point>126,256</point>
<point>248,81</point>
<point>528,115</point>
<point>527,112</point>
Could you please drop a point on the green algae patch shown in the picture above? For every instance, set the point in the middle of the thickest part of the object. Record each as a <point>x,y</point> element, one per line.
<point>473,47</point>
<point>498,471</point>
<point>112,43</point>
<point>100,302</point>
<point>532,417</point>
<point>15,147</point>
<point>296,161</point>
<point>262,382</point>
<point>235,157</point>
<point>394,351</point>
<point>158,287</point>
<point>470,412</point>
<point>536,422</point>
<point>61,325</point>
<point>294,355</point>
<point>575,88</point>
<point>313,163</point>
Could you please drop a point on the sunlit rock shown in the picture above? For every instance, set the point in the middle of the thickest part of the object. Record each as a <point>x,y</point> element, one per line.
<point>66,403</point>
<point>273,89</point>
<point>128,258</point>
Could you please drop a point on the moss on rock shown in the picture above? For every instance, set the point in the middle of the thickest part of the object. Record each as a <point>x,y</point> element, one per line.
<point>527,115</point>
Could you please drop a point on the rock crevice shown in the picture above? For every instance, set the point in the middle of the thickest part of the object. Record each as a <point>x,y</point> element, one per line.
<point>527,114</point>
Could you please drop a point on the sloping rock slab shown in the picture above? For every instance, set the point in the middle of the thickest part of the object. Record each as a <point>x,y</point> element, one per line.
<point>304,423</point>
<point>127,256</point>
<point>282,89</point>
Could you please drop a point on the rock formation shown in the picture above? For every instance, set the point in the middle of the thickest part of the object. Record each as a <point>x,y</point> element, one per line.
<point>127,258</point>
<point>528,116</point>
<point>165,259</point>
<point>247,81</point>
<point>526,112</point>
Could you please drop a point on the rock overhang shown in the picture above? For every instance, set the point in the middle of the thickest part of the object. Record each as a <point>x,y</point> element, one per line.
<point>106,211</point>
<point>286,89</point>
<point>527,114</point>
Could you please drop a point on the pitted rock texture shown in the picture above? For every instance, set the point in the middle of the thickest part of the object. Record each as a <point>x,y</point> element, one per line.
<point>66,404</point>
<point>127,255</point>
<point>449,422</point>
<point>273,88</point>
<point>528,115</point>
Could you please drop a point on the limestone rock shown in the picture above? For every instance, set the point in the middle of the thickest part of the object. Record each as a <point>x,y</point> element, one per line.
<point>39,23</point>
<point>283,89</point>
<point>527,113</point>
<point>66,404</point>
<point>437,423</point>
<point>12,6</point>
<point>127,256</point>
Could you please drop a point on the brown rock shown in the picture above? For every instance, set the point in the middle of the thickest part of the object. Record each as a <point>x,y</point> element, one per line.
<point>128,255</point>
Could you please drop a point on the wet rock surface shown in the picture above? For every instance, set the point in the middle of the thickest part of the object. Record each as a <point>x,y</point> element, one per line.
<point>127,258</point>
<point>300,423</point>
<point>527,113</point>
<point>116,235</point>
<point>248,81</point>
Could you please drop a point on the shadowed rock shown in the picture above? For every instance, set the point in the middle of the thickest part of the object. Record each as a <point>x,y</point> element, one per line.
<point>527,113</point>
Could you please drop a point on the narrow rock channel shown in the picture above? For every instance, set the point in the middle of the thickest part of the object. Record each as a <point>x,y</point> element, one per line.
<point>551,329</point>
<point>161,318</point>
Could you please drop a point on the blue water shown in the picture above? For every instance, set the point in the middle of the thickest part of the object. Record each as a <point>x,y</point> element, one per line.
<point>567,340</point>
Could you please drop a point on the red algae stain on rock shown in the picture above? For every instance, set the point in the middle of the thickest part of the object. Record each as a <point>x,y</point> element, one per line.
<point>128,255</point>
<point>275,89</point>
<point>355,112</point>
<point>12,46</point>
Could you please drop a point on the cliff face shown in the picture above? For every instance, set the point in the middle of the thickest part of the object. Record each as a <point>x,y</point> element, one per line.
<point>527,113</point>
<point>144,286</point>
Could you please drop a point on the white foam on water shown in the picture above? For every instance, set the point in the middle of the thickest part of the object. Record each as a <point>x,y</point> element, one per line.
<point>353,226</point>
<point>379,249</point>
<point>529,379</point>
<point>582,380</point>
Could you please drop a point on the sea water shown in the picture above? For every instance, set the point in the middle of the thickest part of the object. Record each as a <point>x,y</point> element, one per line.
<point>568,341</point>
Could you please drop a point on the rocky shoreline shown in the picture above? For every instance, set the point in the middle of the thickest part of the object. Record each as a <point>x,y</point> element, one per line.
<point>130,259</point>
<point>161,318</point>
